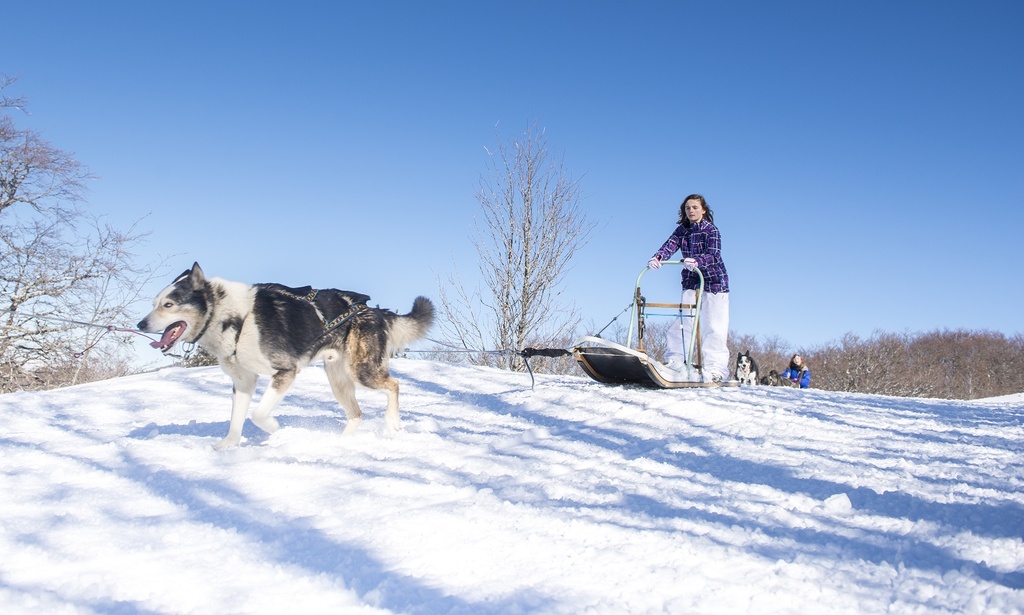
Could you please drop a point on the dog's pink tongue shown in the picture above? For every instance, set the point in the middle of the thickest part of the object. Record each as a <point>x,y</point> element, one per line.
<point>170,336</point>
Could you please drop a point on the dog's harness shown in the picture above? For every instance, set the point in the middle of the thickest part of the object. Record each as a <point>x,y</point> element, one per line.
<point>328,325</point>
<point>339,320</point>
<point>349,313</point>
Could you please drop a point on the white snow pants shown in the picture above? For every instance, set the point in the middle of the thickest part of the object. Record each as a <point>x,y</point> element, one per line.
<point>714,329</point>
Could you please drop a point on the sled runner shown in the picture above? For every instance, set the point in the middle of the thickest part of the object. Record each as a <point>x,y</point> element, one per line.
<point>613,363</point>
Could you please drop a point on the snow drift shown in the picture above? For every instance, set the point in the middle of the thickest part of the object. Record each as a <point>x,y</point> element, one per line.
<point>574,497</point>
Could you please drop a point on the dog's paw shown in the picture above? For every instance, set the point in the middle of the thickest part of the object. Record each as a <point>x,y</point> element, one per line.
<point>268,424</point>
<point>391,429</point>
<point>351,426</point>
<point>226,443</point>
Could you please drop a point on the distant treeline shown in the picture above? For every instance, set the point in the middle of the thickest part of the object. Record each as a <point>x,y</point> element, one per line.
<point>941,364</point>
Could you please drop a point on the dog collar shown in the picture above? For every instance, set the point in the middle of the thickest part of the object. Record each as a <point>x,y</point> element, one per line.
<point>202,331</point>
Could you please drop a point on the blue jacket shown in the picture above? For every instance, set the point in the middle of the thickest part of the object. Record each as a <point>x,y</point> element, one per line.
<point>803,376</point>
<point>703,243</point>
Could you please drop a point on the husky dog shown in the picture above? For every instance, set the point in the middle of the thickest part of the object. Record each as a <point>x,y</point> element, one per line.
<point>746,368</point>
<point>773,379</point>
<point>276,330</point>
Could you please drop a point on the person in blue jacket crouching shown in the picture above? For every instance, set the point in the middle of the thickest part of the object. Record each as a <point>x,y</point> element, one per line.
<point>798,372</point>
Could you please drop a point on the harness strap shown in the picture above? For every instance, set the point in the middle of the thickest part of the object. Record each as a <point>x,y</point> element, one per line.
<point>311,295</point>
<point>309,298</point>
<point>352,311</point>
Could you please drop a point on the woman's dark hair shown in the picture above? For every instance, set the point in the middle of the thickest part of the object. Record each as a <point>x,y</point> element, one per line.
<point>710,215</point>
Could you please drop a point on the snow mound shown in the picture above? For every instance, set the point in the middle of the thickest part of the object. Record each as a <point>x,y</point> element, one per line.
<point>575,497</point>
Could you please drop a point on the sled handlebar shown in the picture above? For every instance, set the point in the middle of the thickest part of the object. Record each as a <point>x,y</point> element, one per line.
<point>699,273</point>
<point>635,308</point>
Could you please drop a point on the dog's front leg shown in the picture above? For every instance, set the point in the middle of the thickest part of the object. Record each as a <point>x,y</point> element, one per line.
<point>244,386</point>
<point>279,385</point>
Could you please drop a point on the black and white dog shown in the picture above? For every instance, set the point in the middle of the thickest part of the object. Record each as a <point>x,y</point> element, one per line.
<point>277,330</point>
<point>746,369</point>
<point>773,379</point>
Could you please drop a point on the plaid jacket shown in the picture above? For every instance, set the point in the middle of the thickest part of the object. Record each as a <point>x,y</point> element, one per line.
<point>703,243</point>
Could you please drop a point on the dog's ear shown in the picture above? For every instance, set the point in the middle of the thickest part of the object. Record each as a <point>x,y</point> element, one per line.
<point>196,276</point>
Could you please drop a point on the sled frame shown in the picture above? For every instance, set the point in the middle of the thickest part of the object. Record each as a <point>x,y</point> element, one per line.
<point>612,363</point>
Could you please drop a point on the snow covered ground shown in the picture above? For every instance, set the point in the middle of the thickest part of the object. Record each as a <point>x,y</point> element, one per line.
<point>574,498</point>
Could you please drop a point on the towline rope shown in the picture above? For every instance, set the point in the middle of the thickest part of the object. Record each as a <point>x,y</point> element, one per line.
<point>524,354</point>
<point>81,323</point>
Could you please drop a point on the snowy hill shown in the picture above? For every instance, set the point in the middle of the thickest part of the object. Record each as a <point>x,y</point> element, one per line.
<point>574,497</point>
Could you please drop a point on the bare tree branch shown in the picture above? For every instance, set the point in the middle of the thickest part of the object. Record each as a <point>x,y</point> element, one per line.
<point>530,226</point>
<point>57,265</point>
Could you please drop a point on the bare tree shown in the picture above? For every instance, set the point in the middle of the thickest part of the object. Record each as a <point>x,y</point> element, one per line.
<point>33,172</point>
<point>770,352</point>
<point>946,364</point>
<point>57,277</point>
<point>530,227</point>
<point>63,273</point>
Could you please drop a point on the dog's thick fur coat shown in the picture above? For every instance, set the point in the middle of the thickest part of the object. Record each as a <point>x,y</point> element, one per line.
<point>746,368</point>
<point>773,379</point>
<point>277,330</point>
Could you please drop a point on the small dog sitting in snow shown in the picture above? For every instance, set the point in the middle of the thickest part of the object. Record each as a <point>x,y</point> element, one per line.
<point>773,379</point>
<point>746,368</point>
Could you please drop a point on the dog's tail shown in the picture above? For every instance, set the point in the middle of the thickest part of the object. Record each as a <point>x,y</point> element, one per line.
<point>408,328</point>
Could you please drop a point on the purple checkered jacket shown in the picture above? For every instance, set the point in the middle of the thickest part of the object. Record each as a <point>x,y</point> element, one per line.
<point>701,242</point>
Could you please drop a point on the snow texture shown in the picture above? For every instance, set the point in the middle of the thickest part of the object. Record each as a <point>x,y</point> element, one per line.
<point>575,497</point>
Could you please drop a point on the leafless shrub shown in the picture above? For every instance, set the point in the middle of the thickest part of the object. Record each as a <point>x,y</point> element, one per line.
<point>944,364</point>
<point>64,274</point>
<point>531,225</point>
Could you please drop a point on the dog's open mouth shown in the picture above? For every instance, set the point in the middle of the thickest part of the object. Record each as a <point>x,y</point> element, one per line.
<point>171,335</point>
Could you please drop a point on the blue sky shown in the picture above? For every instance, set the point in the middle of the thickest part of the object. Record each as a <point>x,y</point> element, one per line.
<point>864,160</point>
